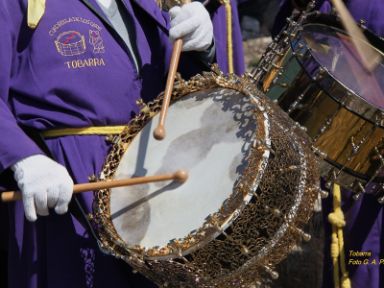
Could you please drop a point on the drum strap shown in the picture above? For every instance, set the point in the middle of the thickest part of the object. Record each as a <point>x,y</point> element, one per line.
<point>99,130</point>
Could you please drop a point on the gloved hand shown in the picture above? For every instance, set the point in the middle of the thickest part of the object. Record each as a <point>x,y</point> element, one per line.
<point>192,23</point>
<point>44,184</point>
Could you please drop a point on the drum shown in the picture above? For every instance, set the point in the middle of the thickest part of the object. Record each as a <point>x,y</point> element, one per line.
<point>251,188</point>
<point>314,73</point>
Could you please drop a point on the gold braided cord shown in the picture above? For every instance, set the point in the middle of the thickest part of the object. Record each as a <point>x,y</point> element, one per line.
<point>100,130</point>
<point>36,10</point>
<point>335,257</point>
<point>336,218</point>
<point>228,16</point>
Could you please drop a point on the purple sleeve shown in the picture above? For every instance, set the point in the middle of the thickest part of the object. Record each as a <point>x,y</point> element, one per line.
<point>14,144</point>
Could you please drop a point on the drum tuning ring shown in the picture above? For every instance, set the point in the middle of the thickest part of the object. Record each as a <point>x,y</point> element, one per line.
<point>328,184</point>
<point>323,194</point>
<point>244,250</point>
<point>381,200</point>
<point>92,178</point>
<point>363,23</point>
<point>304,128</point>
<point>276,212</point>
<point>271,272</point>
<point>305,236</point>
<point>356,196</point>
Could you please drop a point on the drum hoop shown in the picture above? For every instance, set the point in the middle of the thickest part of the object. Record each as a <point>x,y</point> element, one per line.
<point>343,95</point>
<point>284,239</point>
<point>216,223</point>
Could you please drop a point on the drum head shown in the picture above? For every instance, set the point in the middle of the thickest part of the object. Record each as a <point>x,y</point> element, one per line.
<point>208,134</point>
<point>335,52</point>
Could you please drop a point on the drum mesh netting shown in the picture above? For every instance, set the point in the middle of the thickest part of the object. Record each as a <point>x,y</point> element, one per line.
<point>266,228</point>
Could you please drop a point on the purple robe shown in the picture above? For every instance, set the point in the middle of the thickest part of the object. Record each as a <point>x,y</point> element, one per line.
<point>56,76</point>
<point>364,229</point>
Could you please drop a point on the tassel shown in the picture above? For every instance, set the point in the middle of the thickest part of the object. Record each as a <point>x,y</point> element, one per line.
<point>336,218</point>
<point>345,281</point>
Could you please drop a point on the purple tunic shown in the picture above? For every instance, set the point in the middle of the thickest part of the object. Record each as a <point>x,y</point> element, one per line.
<point>364,229</point>
<point>75,71</point>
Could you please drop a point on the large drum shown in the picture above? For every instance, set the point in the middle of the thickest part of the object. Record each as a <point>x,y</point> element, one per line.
<point>314,73</point>
<point>252,186</point>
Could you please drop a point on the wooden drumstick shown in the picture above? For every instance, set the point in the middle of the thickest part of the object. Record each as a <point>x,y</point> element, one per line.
<point>180,176</point>
<point>159,132</point>
<point>370,58</point>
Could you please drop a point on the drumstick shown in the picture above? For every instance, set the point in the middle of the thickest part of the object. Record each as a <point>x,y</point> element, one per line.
<point>159,132</point>
<point>180,176</point>
<point>370,58</point>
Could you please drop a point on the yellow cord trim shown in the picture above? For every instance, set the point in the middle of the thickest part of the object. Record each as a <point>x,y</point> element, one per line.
<point>336,218</point>
<point>228,11</point>
<point>102,130</point>
<point>36,9</point>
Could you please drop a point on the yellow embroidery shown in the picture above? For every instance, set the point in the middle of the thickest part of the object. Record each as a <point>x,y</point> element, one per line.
<point>82,63</point>
<point>70,43</point>
<point>59,24</point>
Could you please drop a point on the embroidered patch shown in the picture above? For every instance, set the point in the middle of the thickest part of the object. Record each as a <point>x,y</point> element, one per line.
<point>96,41</point>
<point>74,42</point>
<point>70,43</point>
<point>83,63</point>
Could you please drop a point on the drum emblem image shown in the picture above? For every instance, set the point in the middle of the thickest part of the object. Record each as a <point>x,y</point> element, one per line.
<point>70,43</point>
<point>96,41</point>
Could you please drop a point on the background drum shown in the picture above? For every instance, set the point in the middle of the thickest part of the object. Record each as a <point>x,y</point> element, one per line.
<point>313,72</point>
<point>251,188</point>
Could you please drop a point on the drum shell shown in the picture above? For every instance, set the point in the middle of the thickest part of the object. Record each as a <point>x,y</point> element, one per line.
<point>347,131</point>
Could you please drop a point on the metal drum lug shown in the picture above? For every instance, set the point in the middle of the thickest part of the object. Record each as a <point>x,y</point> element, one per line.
<point>361,191</point>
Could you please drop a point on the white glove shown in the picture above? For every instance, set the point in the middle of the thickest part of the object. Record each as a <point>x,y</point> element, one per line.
<point>44,184</point>
<point>192,23</point>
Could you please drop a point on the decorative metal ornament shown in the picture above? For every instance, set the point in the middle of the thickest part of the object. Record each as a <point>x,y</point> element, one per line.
<point>255,221</point>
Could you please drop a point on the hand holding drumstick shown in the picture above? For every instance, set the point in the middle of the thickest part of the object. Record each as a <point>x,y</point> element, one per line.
<point>47,184</point>
<point>191,30</point>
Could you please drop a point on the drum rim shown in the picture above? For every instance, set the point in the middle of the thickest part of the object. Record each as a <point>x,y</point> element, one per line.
<point>259,153</point>
<point>349,100</point>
